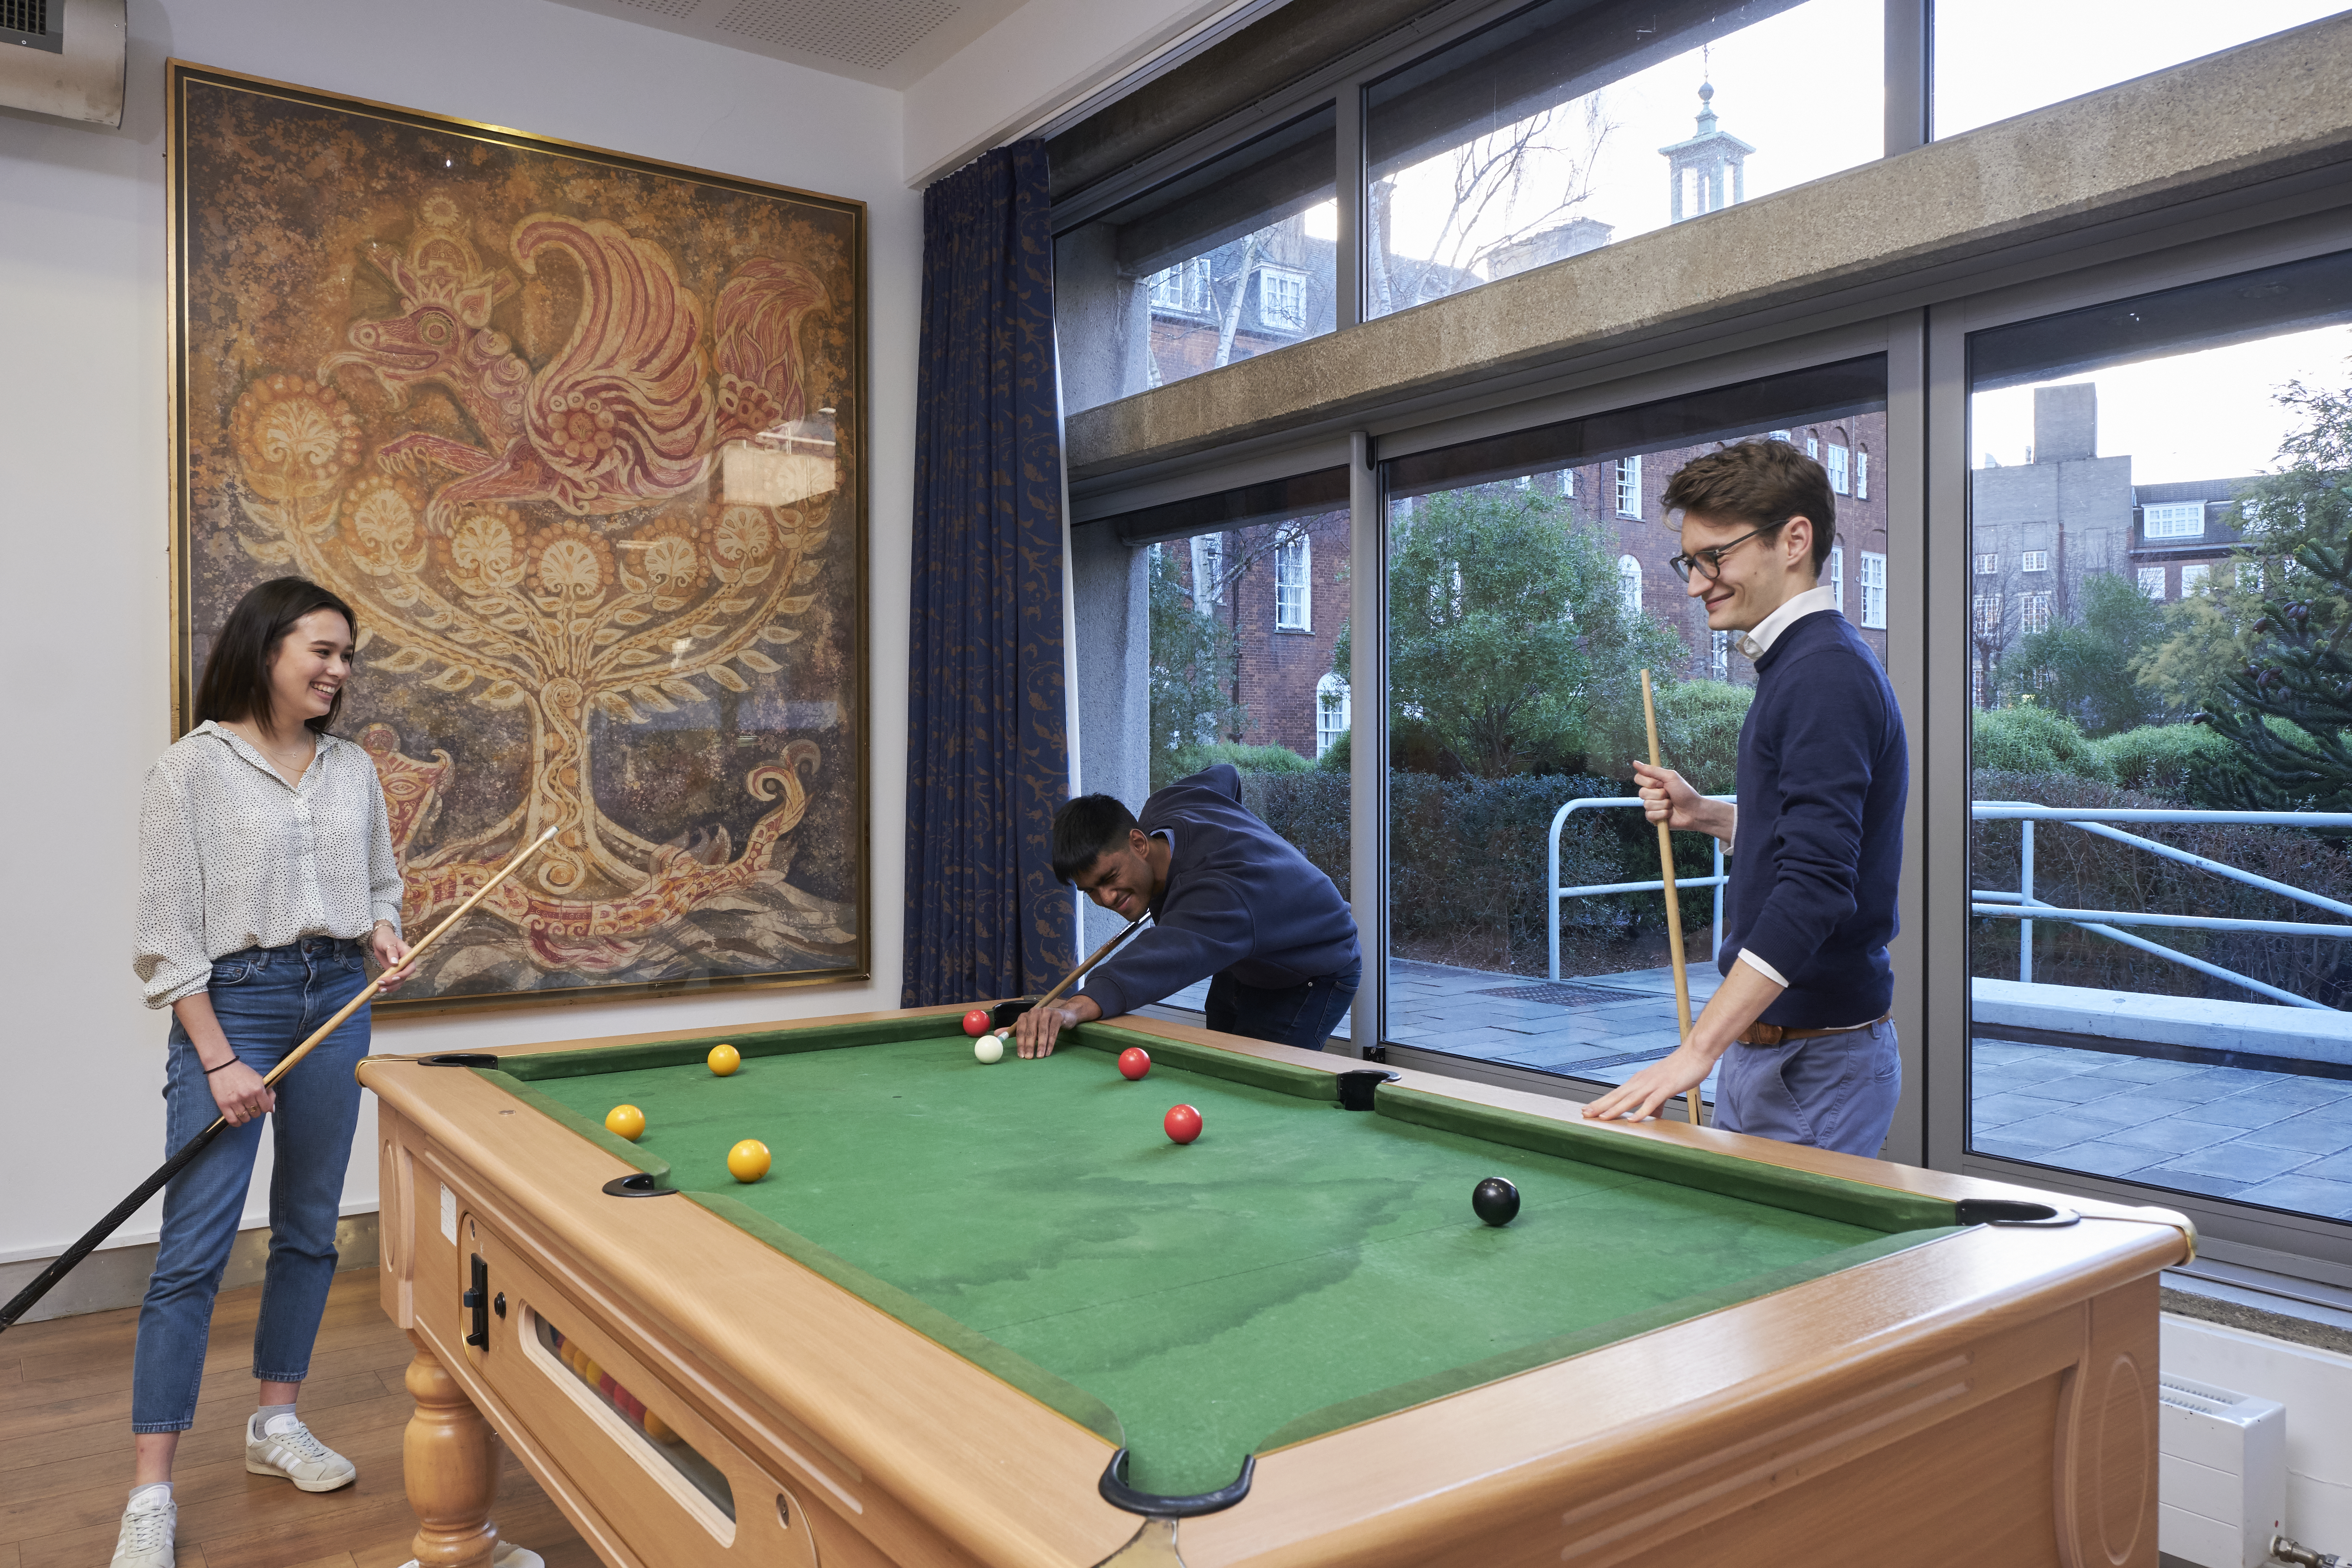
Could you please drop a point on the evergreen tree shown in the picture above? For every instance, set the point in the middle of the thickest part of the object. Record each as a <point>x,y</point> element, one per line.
<point>2292,592</point>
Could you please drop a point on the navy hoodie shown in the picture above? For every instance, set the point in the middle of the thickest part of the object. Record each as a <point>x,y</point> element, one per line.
<point>1239,901</point>
<point>1823,771</point>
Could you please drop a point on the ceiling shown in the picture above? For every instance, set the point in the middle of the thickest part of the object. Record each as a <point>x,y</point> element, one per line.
<point>891,43</point>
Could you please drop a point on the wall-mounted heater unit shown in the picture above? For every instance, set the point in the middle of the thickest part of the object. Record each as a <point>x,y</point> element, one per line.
<point>63,58</point>
<point>2221,1486</point>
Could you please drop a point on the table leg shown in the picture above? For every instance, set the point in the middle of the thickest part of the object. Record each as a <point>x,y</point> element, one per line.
<point>451,1463</point>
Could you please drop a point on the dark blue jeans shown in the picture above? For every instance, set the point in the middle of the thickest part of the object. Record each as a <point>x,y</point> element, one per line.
<point>267,999</point>
<point>1302,1016</point>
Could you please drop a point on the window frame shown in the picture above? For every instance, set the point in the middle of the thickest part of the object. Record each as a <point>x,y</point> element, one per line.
<point>2301,1246</point>
<point>1928,662</point>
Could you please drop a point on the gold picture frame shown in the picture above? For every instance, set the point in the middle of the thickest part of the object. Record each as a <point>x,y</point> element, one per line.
<point>581,438</point>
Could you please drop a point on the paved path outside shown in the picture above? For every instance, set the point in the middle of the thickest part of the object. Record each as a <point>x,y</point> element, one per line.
<point>2280,1139</point>
<point>1586,1028</point>
<point>2276,1139</point>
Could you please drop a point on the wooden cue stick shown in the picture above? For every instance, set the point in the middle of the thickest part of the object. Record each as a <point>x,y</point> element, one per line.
<point>1080,972</point>
<point>1673,903</point>
<point>23,1300</point>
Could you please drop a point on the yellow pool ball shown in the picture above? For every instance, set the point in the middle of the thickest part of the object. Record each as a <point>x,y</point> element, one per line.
<point>626,1121</point>
<point>748,1161</point>
<point>658,1429</point>
<point>724,1060</point>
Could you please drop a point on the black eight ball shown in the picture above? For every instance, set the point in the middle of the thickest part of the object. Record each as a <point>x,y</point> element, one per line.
<point>1496,1201</point>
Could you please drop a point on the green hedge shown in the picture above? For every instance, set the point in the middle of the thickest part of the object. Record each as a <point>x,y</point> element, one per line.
<point>1467,859</point>
<point>2075,870</point>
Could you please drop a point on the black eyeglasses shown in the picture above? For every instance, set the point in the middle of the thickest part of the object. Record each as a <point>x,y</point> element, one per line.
<point>1709,562</point>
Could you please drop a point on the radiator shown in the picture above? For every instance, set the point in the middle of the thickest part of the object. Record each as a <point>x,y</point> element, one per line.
<point>2221,1489</point>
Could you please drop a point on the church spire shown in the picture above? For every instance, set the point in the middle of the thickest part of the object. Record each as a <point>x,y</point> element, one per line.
<point>1710,168</point>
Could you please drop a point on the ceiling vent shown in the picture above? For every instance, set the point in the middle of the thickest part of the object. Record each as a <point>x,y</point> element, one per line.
<point>63,58</point>
<point>868,36</point>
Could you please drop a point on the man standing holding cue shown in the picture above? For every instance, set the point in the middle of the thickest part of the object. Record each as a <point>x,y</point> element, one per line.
<point>1801,1021</point>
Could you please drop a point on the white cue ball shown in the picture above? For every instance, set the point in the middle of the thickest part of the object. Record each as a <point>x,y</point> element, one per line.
<point>988,1048</point>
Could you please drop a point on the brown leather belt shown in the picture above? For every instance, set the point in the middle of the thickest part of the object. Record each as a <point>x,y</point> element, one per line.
<point>1774,1035</point>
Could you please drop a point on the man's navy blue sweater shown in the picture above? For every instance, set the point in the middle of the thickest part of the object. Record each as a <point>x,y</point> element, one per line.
<point>1823,770</point>
<point>1238,901</point>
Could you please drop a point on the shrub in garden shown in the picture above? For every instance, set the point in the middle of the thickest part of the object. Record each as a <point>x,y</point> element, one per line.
<point>2029,739</point>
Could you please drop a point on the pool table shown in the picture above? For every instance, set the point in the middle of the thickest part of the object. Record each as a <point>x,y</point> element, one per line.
<point>994,1314</point>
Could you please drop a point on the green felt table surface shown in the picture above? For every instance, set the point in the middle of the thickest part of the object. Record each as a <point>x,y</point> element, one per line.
<point>1297,1268</point>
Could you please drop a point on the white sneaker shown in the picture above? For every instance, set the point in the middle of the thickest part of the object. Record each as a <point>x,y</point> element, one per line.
<point>287,1449</point>
<point>146,1539</point>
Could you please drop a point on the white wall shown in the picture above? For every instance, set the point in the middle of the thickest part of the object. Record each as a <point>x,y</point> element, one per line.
<point>1034,63</point>
<point>84,620</point>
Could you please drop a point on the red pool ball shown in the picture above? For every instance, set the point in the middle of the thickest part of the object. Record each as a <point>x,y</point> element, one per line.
<point>1134,1062</point>
<point>1183,1124</point>
<point>976,1021</point>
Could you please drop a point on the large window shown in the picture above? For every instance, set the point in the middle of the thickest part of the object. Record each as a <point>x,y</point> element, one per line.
<point>2158,886</point>
<point>1521,618</point>
<point>1568,126</point>
<point>1243,645</point>
<point>1231,259</point>
<point>1994,59</point>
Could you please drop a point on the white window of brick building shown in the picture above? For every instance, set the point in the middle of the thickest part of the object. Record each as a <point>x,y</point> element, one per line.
<point>1629,584</point>
<point>1838,470</point>
<point>2195,576</point>
<point>1987,565</point>
<point>2151,582</point>
<point>1874,590</point>
<point>1837,577</point>
<point>1282,299</point>
<point>1718,655</point>
<point>2175,520</point>
<point>1183,287</point>
<point>1629,487</point>
<point>1294,592</point>
<point>1330,712</point>
<point>1862,473</point>
<point>2035,560</point>
<point>2033,613</point>
<point>1208,570</point>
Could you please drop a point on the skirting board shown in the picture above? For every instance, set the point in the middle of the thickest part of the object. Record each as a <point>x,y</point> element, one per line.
<point>117,1277</point>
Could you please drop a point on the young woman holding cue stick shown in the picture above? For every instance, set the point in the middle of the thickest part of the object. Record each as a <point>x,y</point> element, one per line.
<point>267,881</point>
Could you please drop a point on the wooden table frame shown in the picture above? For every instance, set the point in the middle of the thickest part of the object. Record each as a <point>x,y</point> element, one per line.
<point>1987,1398</point>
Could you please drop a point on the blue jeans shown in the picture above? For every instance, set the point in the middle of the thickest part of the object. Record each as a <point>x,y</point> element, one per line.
<point>1831,1091</point>
<point>267,1000</point>
<point>1302,1016</point>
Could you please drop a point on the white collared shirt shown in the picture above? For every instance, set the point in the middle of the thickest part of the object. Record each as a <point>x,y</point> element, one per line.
<point>1756,644</point>
<point>231,856</point>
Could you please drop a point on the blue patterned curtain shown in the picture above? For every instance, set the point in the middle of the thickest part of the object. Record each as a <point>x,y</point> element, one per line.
<point>987,755</point>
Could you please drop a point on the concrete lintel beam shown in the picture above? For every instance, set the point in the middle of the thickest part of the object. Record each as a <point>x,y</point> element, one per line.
<point>2261,112</point>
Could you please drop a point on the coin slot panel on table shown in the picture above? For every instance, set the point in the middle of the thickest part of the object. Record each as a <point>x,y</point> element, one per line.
<point>660,1477</point>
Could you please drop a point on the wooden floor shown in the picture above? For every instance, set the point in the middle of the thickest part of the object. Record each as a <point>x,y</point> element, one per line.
<point>65,1448</point>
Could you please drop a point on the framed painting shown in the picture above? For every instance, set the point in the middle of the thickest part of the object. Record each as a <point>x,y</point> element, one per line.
<point>581,437</point>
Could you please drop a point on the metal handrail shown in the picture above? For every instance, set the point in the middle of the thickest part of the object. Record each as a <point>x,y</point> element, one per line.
<point>1657,885</point>
<point>2025,908</point>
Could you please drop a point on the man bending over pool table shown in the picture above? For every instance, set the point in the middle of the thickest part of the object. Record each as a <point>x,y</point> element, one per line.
<point>1228,898</point>
<point>1800,1022</point>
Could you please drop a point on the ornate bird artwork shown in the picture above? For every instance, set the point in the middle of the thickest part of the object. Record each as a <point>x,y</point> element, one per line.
<point>573,490</point>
